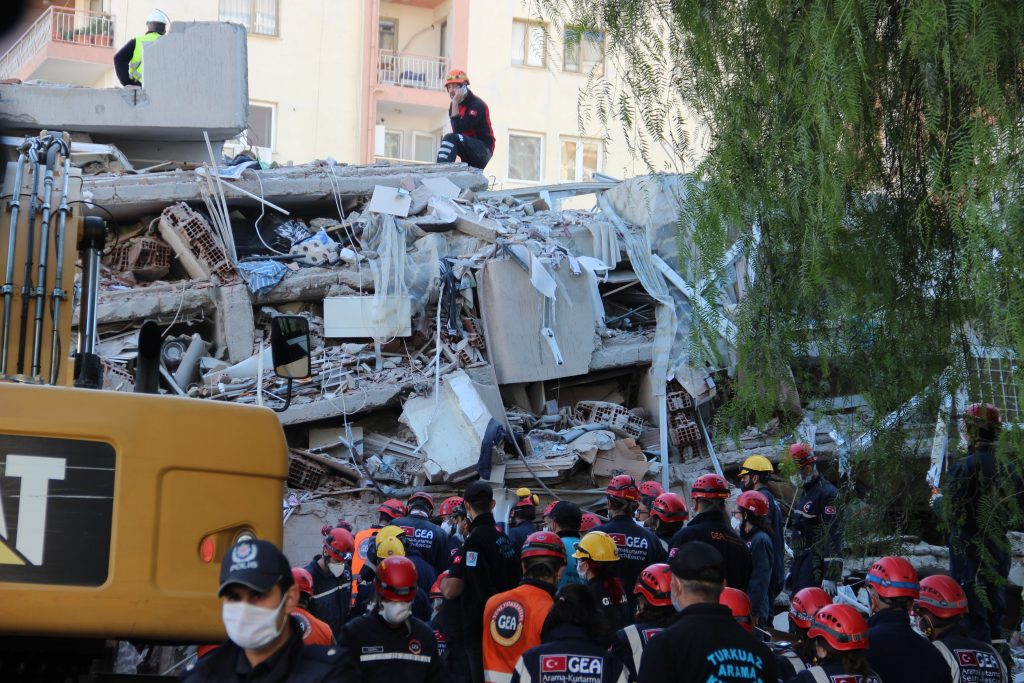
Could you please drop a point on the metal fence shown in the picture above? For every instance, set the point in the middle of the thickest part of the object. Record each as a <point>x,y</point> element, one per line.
<point>58,25</point>
<point>412,71</point>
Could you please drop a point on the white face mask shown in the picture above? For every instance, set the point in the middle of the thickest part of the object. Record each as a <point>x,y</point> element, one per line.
<point>251,627</point>
<point>447,527</point>
<point>737,523</point>
<point>395,612</point>
<point>337,569</point>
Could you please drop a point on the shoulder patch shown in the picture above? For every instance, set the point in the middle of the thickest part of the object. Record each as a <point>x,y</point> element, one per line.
<point>507,621</point>
<point>830,509</point>
<point>471,558</point>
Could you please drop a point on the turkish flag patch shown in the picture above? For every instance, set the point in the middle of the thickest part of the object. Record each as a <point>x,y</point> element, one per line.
<point>620,539</point>
<point>552,663</point>
<point>967,657</point>
<point>830,509</point>
<point>472,112</point>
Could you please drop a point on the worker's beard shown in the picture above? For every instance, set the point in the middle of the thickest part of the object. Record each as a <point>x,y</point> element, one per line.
<point>457,97</point>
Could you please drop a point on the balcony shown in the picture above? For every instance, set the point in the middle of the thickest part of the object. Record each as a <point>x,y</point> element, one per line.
<point>62,46</point>
<point>412,79</point>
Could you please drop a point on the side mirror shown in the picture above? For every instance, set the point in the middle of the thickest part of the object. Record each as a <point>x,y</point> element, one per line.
<point>289,349</point>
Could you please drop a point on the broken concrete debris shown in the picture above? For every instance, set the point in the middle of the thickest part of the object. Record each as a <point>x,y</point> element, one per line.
<point>454,333</point>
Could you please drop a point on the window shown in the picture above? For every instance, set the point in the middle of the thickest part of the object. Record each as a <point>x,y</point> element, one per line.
<point>444,39</point>
<point>424,147</point>
<point>581,159</point>
<point>529,47</point>
<point>525,155</point>
<point>996,372</point>
<point>260,135</point>
<point>584,50</point>
<point>257,16</point>
<point>388,35</point>
<point>393,144</point>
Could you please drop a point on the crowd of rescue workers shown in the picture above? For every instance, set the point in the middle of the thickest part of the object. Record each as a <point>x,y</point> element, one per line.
<point>658,591</point>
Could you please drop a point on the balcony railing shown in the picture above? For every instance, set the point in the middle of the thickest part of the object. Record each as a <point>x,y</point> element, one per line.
<point>58,25</point>
<point>411,71</point>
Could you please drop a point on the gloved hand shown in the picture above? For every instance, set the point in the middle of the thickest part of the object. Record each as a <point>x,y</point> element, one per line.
<point>829,587</point>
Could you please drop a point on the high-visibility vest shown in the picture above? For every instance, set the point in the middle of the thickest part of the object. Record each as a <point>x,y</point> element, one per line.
<point>135,66</point>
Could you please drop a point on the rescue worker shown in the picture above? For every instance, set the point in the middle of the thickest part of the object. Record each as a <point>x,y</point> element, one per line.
<point>314,631</point>
<point>755,530</point>
<point>703,642</point>
<point>486,565</point>
<point>638,547</point>
<point>472,138</point>
<point>513,619</point>
<point>649,490</point>
<point>738,603</point>
<point>565,521</point>
<point>424,570</point>
<point>755,475</point>
<point>332,580</point>
<point>264,643</point>
<point>573,636</point>
<point>596,556</point>
<point>128,60</point>
<point>448,506</point>
<point>427,538</point>
<point>938,610</point>
<point>654,611</point>
<point>840,637</point>
<point>391,644</point>
<point>711,525</point>
<point>390,545</point>
<point>980,475</point>
<point>521,517</point>
<point>817,537</point>
<point>800,653</point>
<point>387,511</point>
<point>668,515</point>
<point>896,651</point>
<point>546,515</point>
<point>588,522</point>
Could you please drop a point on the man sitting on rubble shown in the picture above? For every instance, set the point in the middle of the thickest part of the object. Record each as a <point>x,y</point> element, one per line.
<point>472,138</point>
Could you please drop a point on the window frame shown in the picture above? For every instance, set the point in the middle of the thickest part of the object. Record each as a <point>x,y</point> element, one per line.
<point>401,142</point>
<point>252,18</point>
<point>599,68</point>
<point>540,157</point>
<point>579,170</point>
<point>433,143</point>
<point>528,23</point>
<point>380,45</point>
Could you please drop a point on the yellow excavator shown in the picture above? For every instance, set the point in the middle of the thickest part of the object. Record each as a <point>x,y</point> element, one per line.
<point>115,508</point>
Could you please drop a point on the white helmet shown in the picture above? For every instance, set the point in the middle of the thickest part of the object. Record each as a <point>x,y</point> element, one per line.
<point>158,17</point>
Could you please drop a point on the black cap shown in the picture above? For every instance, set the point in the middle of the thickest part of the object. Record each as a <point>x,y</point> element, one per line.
<point>567,514</point>
<point>256,564</point>
<point>698,561</point>
<point>479,492</point>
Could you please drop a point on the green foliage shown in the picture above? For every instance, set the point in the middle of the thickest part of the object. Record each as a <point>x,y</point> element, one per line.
<point>868,155</point>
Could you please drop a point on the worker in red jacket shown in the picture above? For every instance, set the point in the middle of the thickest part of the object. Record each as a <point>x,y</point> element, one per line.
<point>472,138</point>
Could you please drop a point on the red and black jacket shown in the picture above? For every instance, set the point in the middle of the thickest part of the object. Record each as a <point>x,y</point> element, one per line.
<point>474,120</point>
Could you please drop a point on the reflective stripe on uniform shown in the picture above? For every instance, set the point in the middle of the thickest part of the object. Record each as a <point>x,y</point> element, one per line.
<point>327,592</point>
<point>794,661</point>
<point>819,675</point>
<point>497,676</point>
<point>635,645</point>
<point>523,672</point>
<point>384,656</point>
<point>135,65</point>
<point>954,666</point>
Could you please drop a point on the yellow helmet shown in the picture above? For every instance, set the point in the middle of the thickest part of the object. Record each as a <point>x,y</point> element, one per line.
<point>756,464</point>
<point>389,547</point>
<point>598,547</point>
<point>390,531</point>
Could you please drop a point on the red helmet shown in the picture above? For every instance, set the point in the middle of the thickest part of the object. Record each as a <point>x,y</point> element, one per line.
<point>805,605</point>
<point>396,579</point>
<point>425,497</point>
<point>982,415</point>
<point>710,486</point>
<point>543,544</point>
<point>549,508</point>
<point>435,590</point>
<point>393,508</point>
<point>342,524</point>
<point>303,579</point>
<point>894,577</point>
<point>754,501</point>
<point>655,584</point>
<point>739,604</point>
<point>529,501</point>
<point>649,490</point>
<point>623,487</point>
<point>802,454</point>
<point>842,627</point>
<point>670,508</point>
<point>588,521</point>
<point>339,544</point>
<point>942,596</point>
<point>451,504</point>
<point>325,528</point>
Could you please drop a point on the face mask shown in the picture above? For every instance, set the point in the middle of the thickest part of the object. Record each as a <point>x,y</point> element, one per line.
<point>395,612</point>
<point>337,569</point>
<point>446,527</point>
<point>737,523</point>
<point>251,627</point>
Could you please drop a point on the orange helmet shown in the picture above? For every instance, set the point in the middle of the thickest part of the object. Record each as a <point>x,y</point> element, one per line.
<point>942,596</point>
<point>457,77</point>
<point>841,626</point>
<point>739,604</point>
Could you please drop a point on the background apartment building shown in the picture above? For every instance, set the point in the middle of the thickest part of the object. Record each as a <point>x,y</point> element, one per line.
<point>360,80</point>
